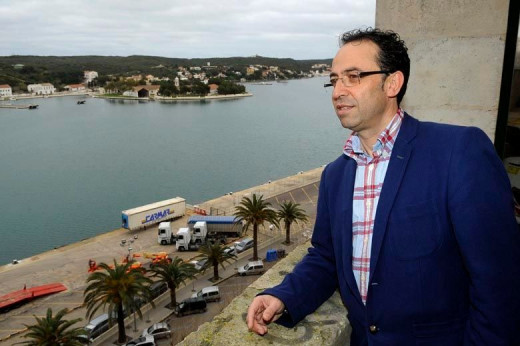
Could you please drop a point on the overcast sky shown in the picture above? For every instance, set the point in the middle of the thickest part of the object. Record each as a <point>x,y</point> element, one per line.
<point>300,29</point>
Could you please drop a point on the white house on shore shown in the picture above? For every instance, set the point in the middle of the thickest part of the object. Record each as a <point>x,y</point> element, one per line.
<point>75,87</point>
<point>5,90</point>
<point>89,76</point>
<point>41,89</point>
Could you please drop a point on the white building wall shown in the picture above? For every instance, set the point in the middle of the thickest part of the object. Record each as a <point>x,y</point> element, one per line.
<point>6,91</point>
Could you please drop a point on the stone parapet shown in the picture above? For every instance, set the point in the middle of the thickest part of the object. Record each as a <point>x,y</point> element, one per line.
<point>326,326</point>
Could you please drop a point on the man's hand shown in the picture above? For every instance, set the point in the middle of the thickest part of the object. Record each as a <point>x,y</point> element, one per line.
<point>263,310</point>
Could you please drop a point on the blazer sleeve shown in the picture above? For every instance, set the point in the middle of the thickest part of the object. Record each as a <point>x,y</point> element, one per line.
<point>481,211</point>
<point>314,279</point>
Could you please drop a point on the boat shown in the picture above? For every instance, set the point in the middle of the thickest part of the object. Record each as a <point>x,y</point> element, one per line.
<point>16,298</point>
<point>82,102</point>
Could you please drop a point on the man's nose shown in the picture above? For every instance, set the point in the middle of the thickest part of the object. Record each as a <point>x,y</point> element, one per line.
<point>339,90</point>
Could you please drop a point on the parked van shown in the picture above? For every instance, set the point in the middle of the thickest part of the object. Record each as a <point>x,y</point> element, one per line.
<point>254,267</point>
<point>244,244</point>
<point>209,294</point>
<point>97,326</point>
<point>191,306</point>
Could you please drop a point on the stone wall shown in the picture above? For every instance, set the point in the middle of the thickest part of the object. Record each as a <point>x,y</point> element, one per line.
<point>456,50</point>
<point>327,326</point>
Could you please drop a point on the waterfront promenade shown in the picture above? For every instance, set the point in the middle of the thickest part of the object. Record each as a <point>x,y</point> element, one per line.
<point>69,264</point>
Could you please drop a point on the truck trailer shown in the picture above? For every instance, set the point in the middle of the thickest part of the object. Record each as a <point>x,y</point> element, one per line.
<point>228,226</point>
<point>150,214</point>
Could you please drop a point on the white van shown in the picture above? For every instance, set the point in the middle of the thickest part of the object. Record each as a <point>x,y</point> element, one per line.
<point>254,267</point>
<point>96,327</point>
<point>210,294</point>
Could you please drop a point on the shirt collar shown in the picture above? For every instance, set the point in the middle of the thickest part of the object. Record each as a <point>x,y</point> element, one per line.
<point>384,143</point>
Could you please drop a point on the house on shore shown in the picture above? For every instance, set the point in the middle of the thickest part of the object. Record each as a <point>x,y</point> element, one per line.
<point>213,89</point>
<point>75,87</point>
<point>89,76</point>
<point>5,90</point>
<point>146,90</point>
<point>41,89</point>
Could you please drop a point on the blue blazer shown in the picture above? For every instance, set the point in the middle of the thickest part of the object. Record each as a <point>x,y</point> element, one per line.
<point>445,259</point>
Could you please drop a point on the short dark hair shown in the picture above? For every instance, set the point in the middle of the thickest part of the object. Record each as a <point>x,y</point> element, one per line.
<point>393,54</point>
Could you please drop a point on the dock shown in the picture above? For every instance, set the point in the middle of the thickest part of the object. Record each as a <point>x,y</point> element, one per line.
<point>18,106</point>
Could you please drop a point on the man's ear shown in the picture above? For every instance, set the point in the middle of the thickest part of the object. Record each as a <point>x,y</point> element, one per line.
<point>394,83</point>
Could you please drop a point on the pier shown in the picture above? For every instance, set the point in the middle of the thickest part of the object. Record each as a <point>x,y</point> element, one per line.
<point>18,106</point>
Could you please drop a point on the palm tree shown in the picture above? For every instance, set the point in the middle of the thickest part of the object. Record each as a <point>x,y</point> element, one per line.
<point>53,330</point>
<point>118,288</point>
<point>173,274</point>
<point>215,255</point>
<point>290,212</point>
<point>255,211</point>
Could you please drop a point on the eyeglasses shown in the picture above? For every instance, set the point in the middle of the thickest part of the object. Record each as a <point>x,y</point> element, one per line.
<point>352,78</point>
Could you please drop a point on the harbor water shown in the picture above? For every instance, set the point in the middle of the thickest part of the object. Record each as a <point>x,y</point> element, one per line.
<point>69,169</point>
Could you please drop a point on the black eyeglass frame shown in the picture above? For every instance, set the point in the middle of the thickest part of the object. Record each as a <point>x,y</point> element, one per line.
<point>362,74</point>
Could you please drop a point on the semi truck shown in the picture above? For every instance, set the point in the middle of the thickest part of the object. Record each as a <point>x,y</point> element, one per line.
<point>224,225</point>
<point>207,228</point>
<point>151,214</point>
<point>165,234</point>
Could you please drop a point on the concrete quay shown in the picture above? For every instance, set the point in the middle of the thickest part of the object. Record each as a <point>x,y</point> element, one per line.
<point>69,264</point>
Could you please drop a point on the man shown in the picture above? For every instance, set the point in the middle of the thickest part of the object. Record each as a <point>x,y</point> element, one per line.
<point>415,223</point>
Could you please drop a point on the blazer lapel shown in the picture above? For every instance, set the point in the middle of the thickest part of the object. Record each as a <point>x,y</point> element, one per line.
<point>394,175</point>
<point>346,221</point>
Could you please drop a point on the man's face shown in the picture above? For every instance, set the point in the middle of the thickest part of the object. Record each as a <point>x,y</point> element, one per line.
<point>360,107</point>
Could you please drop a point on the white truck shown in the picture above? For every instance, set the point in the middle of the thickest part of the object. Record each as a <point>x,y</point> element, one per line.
<point>150,214</point>
<point>187,240</point>
<point>165,234</point>
<point>207,228</point>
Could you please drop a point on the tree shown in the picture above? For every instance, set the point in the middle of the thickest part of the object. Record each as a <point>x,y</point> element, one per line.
<point>255,212</point>
<point>215,255</point>
<point>119,288</point>
<point>229,87</point>
<point>53,330</point>
<point>167,88</point>
<point>199,88</point>
<point>174,274</point>
<point>290,212</point>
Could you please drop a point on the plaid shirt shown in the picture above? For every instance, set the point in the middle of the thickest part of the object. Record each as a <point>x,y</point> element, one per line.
<point>370,174</point>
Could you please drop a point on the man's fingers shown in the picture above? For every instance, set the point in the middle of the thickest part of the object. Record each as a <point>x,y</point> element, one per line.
<point>262,311</point>
<point>270,312</point>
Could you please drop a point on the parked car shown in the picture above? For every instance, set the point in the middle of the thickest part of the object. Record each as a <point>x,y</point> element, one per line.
<point>191,306</point>
<point>251,268</point>
<point>158,331</point>
<point>209,294</point>
<point>199,264</point>
<point>244,244</point>
<point>230,250</point>
<point>158,288</point>
<point>142,341</point>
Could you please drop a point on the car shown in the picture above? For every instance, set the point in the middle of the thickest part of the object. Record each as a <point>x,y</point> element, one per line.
<point>230,250</point>
<point>244,244</point>
<point>251,268</point>
<point>209,294</point>
<point>191,306</point>
<point>158,331</point>
<point>199,265</point>
<point>142,341</point>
